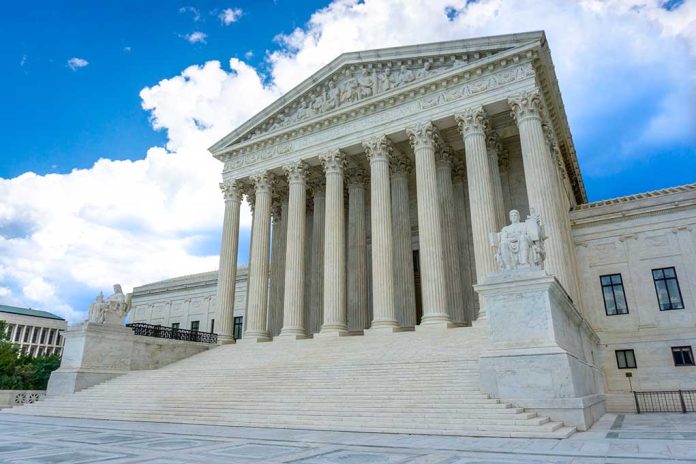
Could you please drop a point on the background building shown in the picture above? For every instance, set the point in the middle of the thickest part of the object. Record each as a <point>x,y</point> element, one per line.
<point>36,332</point>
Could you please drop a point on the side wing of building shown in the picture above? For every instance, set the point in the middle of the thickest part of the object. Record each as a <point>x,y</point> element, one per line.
<point>637,270</point>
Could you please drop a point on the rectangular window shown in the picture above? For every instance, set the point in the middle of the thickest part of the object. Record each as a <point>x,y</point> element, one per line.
<point>683,356</point>
<point>238,323</point>
<point>51,336</point>
<point>10,328</point>
<point>667,288</point>
<point>175,325</point>
<point>613,294</point>
<point>27,329</point>
<point>43,336</point>
<point>35,336</point>
<point>18,333</point>
<point>59,338</point>
<point>625,359</point>
<point>195,325</point>
<point>212,326</point>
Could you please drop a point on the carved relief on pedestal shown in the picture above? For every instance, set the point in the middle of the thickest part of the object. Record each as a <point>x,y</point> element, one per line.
<point>520,245</point>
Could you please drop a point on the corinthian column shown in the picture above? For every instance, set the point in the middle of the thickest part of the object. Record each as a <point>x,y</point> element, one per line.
<point>472,124</point>
<point>293,308</point>
<point>443,158</point>
<point>404,284</point>
<point>543,187</point>
<point>357,256</point>
<point>257,302</point>
<point>279,215</point>
<point>433,281</point>
<point>334,247</point>
<point>227,276</point>
<point>316,303</point>
<point>461,215</point>
<point>495,151</point>
<point>378,150</point>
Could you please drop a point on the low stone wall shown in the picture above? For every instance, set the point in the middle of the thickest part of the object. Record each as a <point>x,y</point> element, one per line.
<point>11,398</point>
<point>95,353</point>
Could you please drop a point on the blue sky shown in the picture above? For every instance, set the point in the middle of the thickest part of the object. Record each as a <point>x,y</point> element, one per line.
<point>111,105</point>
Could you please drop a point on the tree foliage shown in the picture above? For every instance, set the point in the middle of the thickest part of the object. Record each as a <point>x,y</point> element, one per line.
<point>22,372</point>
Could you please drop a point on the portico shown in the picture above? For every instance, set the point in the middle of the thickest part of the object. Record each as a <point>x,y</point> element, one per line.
<point>386,155</point>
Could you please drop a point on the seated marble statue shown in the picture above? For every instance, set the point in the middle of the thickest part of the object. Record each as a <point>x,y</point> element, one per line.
<point>521,244</point>
<point>113,310</point>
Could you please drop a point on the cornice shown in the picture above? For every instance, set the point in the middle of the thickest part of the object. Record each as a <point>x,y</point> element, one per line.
<point>468,73</point>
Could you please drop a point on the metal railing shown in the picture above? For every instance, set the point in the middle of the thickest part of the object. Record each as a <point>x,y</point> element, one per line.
<point>158,331</point>
<point>666,401</point>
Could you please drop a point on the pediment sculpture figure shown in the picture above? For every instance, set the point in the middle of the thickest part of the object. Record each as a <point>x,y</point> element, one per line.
<point>520,245</point>
<point>113,310</point>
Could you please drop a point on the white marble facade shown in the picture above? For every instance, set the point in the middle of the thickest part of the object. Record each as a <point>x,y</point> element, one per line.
<point>376,183</point>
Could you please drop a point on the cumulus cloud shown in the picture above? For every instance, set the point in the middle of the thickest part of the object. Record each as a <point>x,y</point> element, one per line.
<point>77,63</point>
<point>196,37</point>
<point>230,15</point>
<point>64,237</point>
<point>192,10</point>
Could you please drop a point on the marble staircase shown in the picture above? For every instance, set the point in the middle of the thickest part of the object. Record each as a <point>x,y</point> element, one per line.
<point>423,382</point>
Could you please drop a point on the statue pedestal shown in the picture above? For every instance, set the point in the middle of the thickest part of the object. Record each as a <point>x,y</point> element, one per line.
<point>93,353</point>
<point>542,352</point>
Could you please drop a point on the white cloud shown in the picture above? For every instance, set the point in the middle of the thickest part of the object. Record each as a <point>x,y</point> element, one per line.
<point>230,15</point>
<point>196,37</point>
<point>134,222</point>
<point>127,49</point>
<point>193,10</point>
<point>23,61</point>
<point>77,63</point>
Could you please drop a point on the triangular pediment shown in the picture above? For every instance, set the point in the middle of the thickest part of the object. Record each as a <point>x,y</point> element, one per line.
<point>358,77</point>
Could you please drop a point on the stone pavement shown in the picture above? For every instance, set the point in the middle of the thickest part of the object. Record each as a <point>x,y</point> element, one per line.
<point>630,438</point>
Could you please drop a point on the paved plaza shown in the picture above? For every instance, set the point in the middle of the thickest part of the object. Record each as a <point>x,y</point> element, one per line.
<point>630,438</point>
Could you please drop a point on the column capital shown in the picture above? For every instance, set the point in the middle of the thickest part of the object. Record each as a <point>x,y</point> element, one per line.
<point>458,170</point>
<point>400,164</point>
<point>297,172</point>
<point>423,134</point>
<point>231,190</point>
<point>443,155</point>
<point>493,141</point>
<point>356,175</point>
<point>317,184</point>
<point>554,149</point>
<point>333,161</point>
<point>378,148</point>
<point>263,181</point>
<point>247,189</point>
<point>526,105</point>
<point>472,121</point>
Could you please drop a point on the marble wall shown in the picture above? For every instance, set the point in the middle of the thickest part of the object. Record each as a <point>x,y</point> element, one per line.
<point>631,238</point>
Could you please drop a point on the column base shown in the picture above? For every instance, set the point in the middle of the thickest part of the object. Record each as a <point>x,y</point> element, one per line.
<point>372,331</point>
<point>291,334</point>
<point>356,332</point>
<point>255,337</point>
<point>225,340</point>
<point>332,331</point>
<point>436,320</point>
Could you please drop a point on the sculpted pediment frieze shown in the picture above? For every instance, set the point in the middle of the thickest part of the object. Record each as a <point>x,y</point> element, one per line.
<point>357,83</point>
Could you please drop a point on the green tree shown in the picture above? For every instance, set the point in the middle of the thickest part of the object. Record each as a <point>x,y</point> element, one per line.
<point>22,372</point>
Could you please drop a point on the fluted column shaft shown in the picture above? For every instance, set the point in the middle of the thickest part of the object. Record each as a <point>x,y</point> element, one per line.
<point>293,307</point>
<point>316,306</point>
<point>279,215</point>
<point>461,215</point>
<point>309,222</point>
<point>449,236</point>
<point>494,152</point>
<point>404,284</point>
<point>543,187</point>
<point>433,280</point>
<point>258,268</point>
<point>334,247</point>
<point>227,276</point>
<point>472,124</point>
<point>357,256</point>
<point>378,151</point>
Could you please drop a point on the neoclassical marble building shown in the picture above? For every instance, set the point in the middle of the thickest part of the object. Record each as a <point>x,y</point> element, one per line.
<point>389,158</point>
<point>377,187</point>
